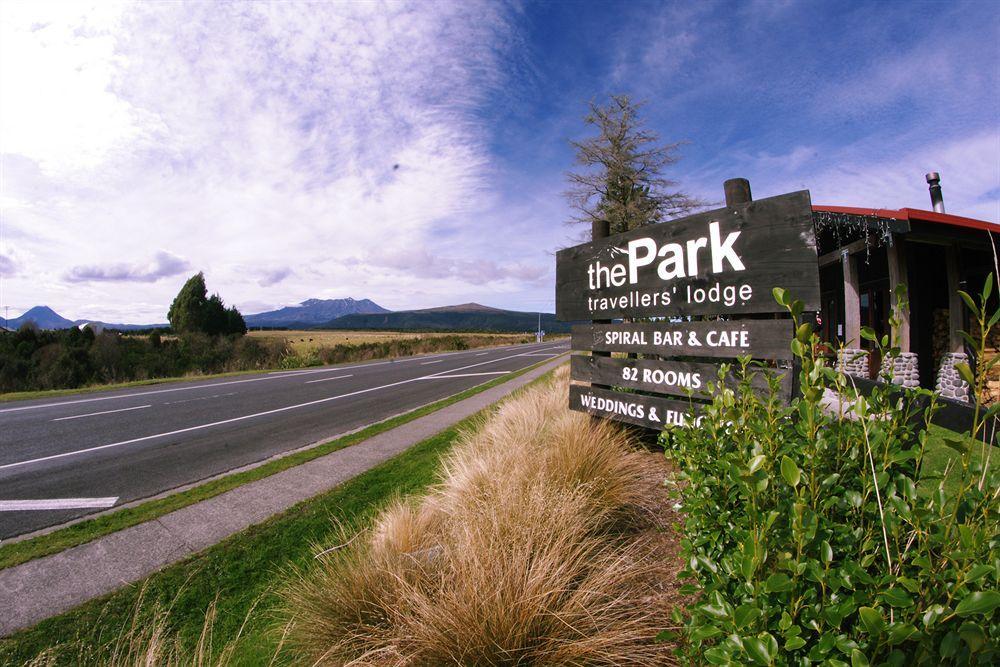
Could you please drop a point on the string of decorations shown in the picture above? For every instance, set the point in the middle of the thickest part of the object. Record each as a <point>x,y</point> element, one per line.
<point>847,227</point>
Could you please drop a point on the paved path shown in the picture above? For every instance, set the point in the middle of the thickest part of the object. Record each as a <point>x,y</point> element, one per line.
<point>49,586</point>
<point>72,456</point>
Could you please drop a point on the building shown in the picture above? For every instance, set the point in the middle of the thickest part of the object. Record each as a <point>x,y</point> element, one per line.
<point>865,253</point>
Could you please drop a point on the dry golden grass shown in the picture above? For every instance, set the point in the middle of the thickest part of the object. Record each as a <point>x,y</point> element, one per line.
<point>526,553</point>
<point>304,342</point>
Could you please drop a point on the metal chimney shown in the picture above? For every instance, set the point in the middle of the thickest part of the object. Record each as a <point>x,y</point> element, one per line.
<point>934,185</point>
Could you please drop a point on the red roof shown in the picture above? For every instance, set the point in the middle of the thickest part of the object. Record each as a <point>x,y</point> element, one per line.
<point>913,214</point>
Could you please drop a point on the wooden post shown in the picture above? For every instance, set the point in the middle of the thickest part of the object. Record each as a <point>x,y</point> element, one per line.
<point>955,319</point>
<point>898,276</point>
<point>737,191</point>
<point>600,229</point>
<point>852,302</point>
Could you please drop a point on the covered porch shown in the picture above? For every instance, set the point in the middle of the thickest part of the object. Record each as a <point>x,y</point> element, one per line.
<point>864,254</point>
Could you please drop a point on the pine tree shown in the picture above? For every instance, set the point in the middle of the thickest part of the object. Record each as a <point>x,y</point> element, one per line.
<point>188,311</point>
<point>194,311</point>
<point>216,320</point>
<point>623,180</point>
<point>236,324</point>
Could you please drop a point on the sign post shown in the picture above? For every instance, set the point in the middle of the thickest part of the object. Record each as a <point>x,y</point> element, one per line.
<point>721,265</point>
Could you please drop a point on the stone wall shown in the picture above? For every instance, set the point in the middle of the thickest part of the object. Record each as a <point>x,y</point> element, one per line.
<point>949,383</point>
<point>852,361</point>
<point>901,370</point>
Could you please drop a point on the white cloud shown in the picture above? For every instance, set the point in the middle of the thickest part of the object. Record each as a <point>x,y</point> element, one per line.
<point>57,62</point>
<point>163,265</point>
<point>274,276</point>
<point>287,136</point>
<point>969,168</point>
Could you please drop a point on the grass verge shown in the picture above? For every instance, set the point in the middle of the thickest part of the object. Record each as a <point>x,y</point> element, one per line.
<point>79,533</point>
<point>940,460</point>
<point>237,575</point>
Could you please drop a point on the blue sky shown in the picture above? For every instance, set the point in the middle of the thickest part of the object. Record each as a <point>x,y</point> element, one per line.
<point>414,153</point>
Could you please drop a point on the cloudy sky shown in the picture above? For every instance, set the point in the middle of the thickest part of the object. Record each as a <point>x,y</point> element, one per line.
<point>414,153</point>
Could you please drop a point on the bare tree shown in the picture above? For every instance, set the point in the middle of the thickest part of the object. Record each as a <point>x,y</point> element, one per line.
<point>622,177</point>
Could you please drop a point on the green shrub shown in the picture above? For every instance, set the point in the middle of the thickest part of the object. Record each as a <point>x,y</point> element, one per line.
<point>816,538</point>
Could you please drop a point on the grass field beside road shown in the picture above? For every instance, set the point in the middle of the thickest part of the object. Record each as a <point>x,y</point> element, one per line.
<point>306,341</point>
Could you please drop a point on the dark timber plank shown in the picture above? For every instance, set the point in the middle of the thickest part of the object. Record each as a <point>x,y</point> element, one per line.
<point>774,242</point>
<point>667,377</point>
<point>649,411</point>
<point>762,339</point>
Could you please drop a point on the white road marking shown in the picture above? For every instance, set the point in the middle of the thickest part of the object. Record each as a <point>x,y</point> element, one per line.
<point>105,412</point>
<point>244,417</point>
<point>544,354</point>
<point>482,353</point>
<point>200,398</point>
<point>339,377</point>
<point>57,504</point>
<point>491,361</point>
<point>463,375</point>
<point>432,362</point>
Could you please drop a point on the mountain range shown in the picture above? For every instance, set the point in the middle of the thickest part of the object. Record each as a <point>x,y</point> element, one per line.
<point>46,318</point>
<point>463,317</point>
<point>313,312</point>
<point>348,314</point>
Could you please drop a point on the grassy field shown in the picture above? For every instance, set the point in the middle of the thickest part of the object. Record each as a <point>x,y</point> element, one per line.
<point>304,342</point>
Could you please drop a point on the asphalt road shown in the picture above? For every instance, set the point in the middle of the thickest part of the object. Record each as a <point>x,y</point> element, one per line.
<point>67,457</point>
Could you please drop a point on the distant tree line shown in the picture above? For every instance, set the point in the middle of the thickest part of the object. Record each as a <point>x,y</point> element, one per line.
<point>31,359</point>
<point>208,338</point>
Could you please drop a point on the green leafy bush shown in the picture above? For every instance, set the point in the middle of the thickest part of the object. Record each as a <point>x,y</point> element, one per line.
<point>813,536</point>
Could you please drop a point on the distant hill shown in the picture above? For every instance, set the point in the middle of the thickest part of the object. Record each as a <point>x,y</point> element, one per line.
<point>464,317</point>
<point>44,317</point>
<point>312,312</point>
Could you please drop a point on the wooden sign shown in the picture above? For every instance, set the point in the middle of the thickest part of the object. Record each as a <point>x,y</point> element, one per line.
<point>723,264</point>
<point>677,378</point>
<point>650,411</point>
<point>761,339</point>
<point>724,261</point>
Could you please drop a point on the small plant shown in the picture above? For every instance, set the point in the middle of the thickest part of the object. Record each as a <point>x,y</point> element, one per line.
<point>817,537</point>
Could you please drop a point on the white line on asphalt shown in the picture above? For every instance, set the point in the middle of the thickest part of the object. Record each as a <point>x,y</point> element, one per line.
<point>339,377</point>
<point>543,354</point>
<point>105,412</point>
<point>250,416</point>
<point>200,398</point>
<point>491,361</point>
<point>57,504</point>
<point>432,362</point>
<point>463,375</point>
<point>481,354</point>
<point>271,376</point>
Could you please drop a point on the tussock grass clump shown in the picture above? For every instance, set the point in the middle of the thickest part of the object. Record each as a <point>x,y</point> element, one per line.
<point>525,553</point>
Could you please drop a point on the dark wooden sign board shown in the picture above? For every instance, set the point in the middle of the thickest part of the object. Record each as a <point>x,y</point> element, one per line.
<point>639,409</point>
<point>761,339</point>
<point>725,263</point>
<point>677,378</point>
